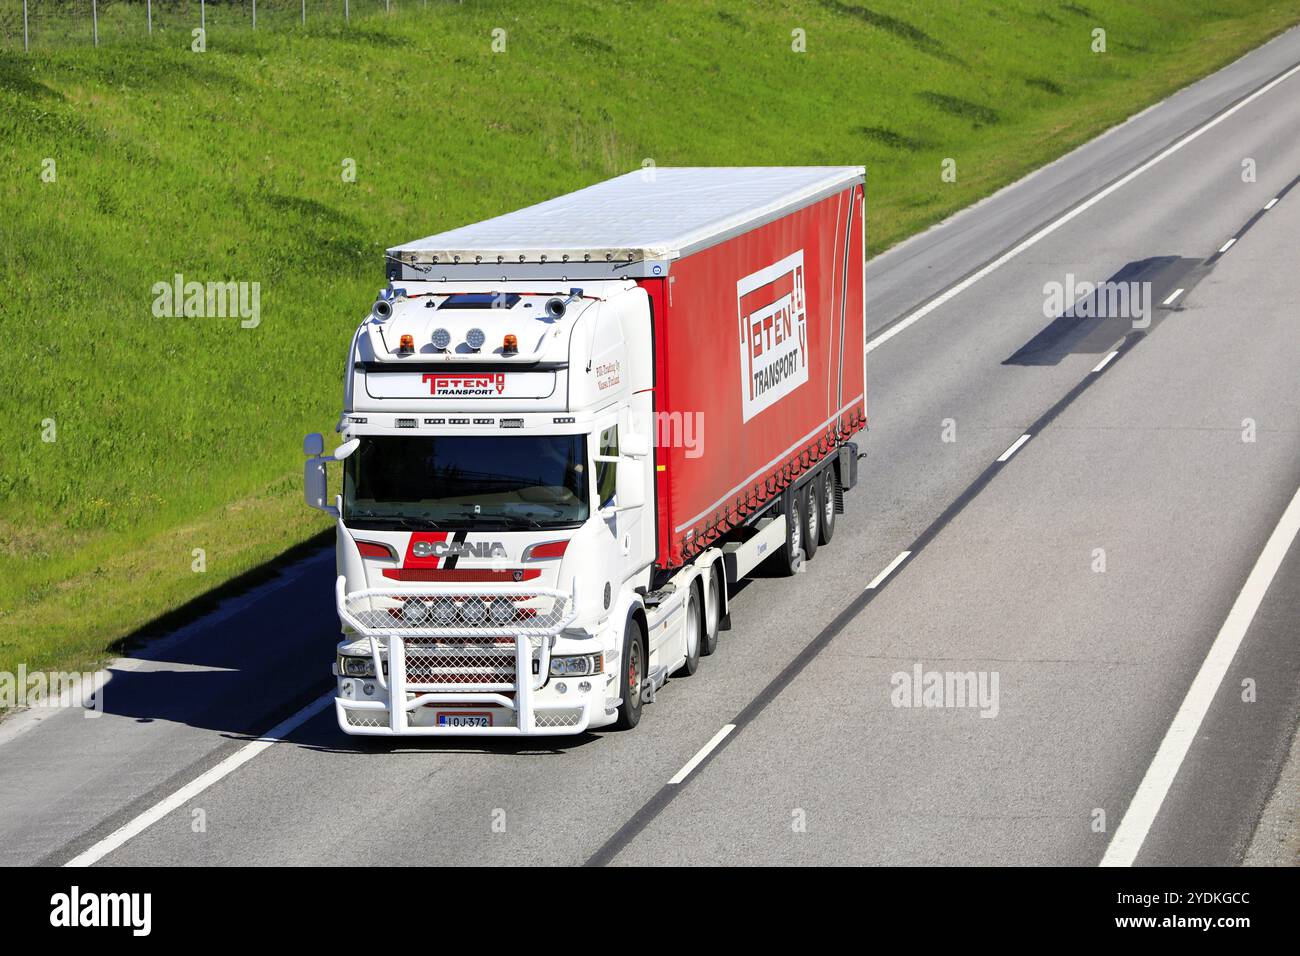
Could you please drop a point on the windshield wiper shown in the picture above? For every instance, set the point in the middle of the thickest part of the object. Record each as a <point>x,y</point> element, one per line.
<point>412,524</point>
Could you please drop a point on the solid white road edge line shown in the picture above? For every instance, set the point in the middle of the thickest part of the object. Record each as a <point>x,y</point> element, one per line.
<point>200,783</point>
<point>1106,361</point>
<point>1078,210</point>
<point>1228,245</point>
<point>703,752</point>
<point>1173,295</point>
<point>889,569</point>
<point>1151,792</point>
<point>1014,448</point>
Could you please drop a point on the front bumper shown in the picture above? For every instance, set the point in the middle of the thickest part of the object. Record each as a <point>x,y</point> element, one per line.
<point>436,666</point>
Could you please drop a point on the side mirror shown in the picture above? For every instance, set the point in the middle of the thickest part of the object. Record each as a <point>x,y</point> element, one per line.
<point>630,486</point>
<point>315,485</point>
<point>347,448</point>
<point>633,445</point>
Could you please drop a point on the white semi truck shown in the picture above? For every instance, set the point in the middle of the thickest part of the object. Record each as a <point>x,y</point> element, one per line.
<point>569,430</point>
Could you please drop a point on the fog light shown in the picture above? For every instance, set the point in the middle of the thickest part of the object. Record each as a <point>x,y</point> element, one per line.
<point>501,611</point>
<point>414,611</point>
<point>473,611</point>
<point>368,688</point>
<point>444,613</point>
<point>561,688</point>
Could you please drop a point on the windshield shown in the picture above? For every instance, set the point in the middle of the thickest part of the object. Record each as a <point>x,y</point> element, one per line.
<point>464,481</point>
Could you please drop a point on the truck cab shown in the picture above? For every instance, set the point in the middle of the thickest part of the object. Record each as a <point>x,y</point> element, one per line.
<point>492,523</point>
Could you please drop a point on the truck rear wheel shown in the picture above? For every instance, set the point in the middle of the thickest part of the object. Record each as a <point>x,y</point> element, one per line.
<point>812,519</point>
<point>712,614</point>
<point>632,675</point>
<point>694,619</point>
<point>826,486</point>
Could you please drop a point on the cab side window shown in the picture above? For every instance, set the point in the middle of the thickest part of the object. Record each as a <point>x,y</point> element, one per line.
<point>606,471</point>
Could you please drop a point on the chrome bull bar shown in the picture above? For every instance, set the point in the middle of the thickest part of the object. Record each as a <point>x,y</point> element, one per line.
<point>452,645</point>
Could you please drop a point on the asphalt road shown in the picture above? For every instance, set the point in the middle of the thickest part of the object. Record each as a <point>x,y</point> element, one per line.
<point>1141,468</point>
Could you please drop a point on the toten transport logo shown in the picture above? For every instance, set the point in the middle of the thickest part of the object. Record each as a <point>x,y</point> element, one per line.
<point>773,333</point>
<point>465,385</point>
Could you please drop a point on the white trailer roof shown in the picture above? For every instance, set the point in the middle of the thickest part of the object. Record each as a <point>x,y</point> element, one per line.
<point>621,226</point>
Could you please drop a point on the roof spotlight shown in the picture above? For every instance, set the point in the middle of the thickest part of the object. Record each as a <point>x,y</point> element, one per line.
<point>475,338</point>
<point>441,339</point>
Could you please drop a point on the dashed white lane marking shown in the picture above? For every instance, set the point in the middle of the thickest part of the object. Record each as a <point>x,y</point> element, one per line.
<point>1151,792</point>
<point>1228,245</point>
<point>1014,448</point>
<point>1106,361</point>
<point>200,783</point>
<point>703,752</point>
<point>1173,295</point>
<point>1060,221</point>
<point>1271,203</point>
<point>889,569</point>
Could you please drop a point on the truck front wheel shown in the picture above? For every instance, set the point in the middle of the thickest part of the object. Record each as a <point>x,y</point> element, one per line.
<point>632,675</point>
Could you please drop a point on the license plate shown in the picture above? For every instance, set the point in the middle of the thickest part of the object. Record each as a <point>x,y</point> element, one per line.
<point>457,720</point>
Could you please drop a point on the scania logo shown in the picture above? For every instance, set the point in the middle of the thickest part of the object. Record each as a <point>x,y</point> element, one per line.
<point>466,549</point>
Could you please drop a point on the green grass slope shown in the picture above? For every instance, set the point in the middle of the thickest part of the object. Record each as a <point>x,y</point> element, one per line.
<point>176,434</point>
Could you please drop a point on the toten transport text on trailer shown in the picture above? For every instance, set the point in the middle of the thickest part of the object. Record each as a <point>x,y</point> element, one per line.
<point>568,431</point>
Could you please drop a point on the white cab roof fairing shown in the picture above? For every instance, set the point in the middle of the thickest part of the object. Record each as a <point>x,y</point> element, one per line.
<point>432,305</point>
<point>633,225</point>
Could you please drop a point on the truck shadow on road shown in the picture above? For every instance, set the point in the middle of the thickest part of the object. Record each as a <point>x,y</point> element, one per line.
<point>1090,317</point>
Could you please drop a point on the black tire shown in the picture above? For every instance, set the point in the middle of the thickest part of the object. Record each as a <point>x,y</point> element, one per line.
<point>632,675</point>
<point>786,561</point>
<point>827,484</point>
<point>812,519</point>
<point>712,618</point>
<point>694,627</point>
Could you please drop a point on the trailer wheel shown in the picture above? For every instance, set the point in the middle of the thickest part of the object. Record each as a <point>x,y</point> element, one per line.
<point>694,618</point>
<point>712,615</point>
<point>826,499</point>
<point>632,674</point>
<point>786,561</point>
<point>812,518</point>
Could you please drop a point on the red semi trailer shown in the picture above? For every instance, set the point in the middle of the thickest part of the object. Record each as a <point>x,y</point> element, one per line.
<point>567,431</point>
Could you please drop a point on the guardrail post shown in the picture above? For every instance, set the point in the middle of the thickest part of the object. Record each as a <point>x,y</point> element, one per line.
<point>26,47</point>
<point>94,18</point>
<point>254,14</point>
<point>304,12</point>
<point>149,7</point>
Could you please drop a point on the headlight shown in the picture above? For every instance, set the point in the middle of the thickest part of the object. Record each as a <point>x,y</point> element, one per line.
<point>577,665</point>
<point>356,666</point>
